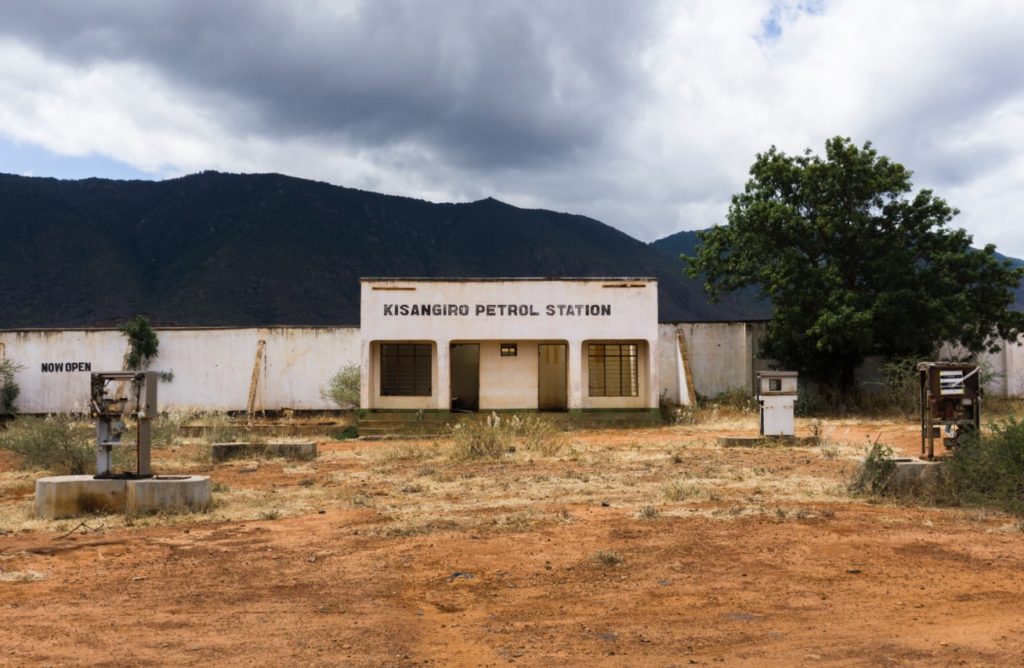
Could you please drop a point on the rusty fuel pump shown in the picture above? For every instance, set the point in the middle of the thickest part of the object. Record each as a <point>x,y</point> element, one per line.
<point>950,404</point>
<point>134,398</point>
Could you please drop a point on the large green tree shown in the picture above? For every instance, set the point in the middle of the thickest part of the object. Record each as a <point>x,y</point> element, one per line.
<point>855,263</point>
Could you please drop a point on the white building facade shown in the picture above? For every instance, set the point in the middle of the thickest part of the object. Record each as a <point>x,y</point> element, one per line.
<point>489,344</point>
<point>507,344</point>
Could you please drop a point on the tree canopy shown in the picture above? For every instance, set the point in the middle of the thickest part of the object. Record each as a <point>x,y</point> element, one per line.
<point>855,263</point>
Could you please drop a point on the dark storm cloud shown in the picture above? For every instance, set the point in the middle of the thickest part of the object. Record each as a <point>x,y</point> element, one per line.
<point>478,83</point>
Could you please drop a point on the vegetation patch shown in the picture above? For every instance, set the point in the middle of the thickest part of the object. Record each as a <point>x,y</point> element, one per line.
<point>56,443</point>
<point>989,470</point>
<point>875,472</point>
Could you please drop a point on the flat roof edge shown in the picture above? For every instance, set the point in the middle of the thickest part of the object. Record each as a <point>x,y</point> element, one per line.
<point>169,328</point>
<point>435,279</point>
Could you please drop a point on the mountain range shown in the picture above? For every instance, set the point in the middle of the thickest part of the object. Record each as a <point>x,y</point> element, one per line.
<point>215,249</point>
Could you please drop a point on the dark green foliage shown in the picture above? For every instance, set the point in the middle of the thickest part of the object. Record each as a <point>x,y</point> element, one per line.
<point>143,345</point>
<point>854,263</point>
<point>345,433</point>
<point>56,443</point>
<point>259,249</point>
<point>989,470</point>
<point>9,389</point>
<point>875,472</point>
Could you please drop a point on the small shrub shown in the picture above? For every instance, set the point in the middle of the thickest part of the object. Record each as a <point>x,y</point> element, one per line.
<point>678,490</point>
<point>56,443</point>
<point>737,399</point>
<point>608,558</point>
<point>346,433</point>
<point>989,471</point>
<point>271,514</point>
<point>649,513</point>
<point>874,473</point>
<point>166,427</point>
<point>343,387</point>
<point>536,434</point>
<point>9,388</point>
<point>219,428</point>
<point>476,439</point>
<point>405,452</point>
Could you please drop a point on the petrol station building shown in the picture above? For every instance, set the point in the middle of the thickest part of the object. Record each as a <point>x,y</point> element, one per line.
<point>560,344</point>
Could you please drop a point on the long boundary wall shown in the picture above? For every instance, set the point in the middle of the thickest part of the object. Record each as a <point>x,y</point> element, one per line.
<point>213,367</point>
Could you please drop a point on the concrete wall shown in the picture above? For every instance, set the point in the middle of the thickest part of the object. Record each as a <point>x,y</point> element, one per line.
<point>212,367</point>
<point>723,357</point>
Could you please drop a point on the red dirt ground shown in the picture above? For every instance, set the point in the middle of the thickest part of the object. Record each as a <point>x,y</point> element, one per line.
<point>847,583</point>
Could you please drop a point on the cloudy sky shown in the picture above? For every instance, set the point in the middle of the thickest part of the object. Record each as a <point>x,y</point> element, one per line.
<point>643,114</point>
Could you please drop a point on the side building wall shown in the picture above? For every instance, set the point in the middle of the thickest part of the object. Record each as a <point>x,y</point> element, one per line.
<point>212,368</point>
<point>722,357</point>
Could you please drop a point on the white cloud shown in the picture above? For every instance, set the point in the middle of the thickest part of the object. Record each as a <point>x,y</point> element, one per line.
<point>648,124</point>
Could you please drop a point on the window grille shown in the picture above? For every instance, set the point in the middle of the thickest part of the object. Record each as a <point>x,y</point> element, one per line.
<point>405,370</point>
<point>613,369</point>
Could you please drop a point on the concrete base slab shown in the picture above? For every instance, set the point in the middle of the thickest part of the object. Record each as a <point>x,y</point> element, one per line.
<point>160,494</point>
<point>220,452</point>
<point>75,495</point>
<point>765,441</point>
<point>913,475</point>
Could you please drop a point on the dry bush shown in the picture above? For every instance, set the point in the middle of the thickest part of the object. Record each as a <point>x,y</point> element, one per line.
<point>678,490</point>
<point>649,513</point>
<point>989,471</point>
<point>480,439</point>
<point>219,428</point>
<point>495,436</point>
<point>57,443</point>
<point>406,452</point>
<point>535,434</point>
<point>608,558</point>
<point>875,473</point>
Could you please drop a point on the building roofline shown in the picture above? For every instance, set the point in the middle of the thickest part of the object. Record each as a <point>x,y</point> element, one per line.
<point>435,279</point>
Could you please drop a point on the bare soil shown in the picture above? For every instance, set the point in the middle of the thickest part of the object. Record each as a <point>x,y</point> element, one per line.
<point>636,547</point>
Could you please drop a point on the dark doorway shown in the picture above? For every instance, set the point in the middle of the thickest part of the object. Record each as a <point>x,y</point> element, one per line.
<point>465,377</point>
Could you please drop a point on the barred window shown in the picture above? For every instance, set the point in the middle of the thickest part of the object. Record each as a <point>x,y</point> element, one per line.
<point>612,369</point>
<point>405,370</point>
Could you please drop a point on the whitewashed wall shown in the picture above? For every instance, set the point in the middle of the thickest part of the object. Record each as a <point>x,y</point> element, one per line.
<point>212,367</point>
<point>722,356</point>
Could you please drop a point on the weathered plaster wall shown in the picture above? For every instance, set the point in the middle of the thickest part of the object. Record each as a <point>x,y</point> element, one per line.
<point>212,367</point>
<point>722,355</point>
